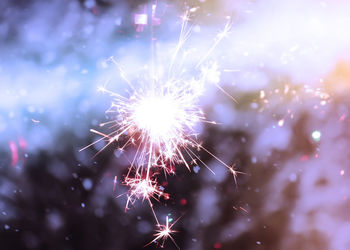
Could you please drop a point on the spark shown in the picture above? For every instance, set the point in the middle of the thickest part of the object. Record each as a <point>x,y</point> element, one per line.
<point>212,74</point>
<point>115,182</point>
<point>145,189</point>
<point>243,209</point>
<point>164,232</point>
<point>234,172</point>
<point>141,188</point>
<point>221,35</point>
<point>35,121</point>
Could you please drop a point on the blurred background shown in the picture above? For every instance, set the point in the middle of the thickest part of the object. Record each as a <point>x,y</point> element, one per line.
<point>285,62</point>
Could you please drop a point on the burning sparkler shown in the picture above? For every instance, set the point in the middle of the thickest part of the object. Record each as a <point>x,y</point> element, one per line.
<point>160,120</point>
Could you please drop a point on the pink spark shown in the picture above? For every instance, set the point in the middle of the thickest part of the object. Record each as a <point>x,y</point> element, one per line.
<point>114,183</point>
<point>14,153</point>
<point>164,232</point>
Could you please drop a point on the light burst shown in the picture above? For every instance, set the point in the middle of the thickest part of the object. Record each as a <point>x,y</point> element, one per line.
<point>159,117</point>
<point>145,189</point>
<point>164,232</point>
<point>160,120</point>
<point>142,188</point>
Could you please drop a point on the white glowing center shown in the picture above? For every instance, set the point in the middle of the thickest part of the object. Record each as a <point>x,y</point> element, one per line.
<point>145,188</point>
<point>157,116</point>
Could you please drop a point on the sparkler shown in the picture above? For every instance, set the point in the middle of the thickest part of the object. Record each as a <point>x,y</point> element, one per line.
<point>160,119</point>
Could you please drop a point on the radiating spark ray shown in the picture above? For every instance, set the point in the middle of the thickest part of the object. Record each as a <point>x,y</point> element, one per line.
<point>183,159</point>
<point>149,162</point>
<point>134,159</point>
<point>102,138</point>
<point>154,214</point>
<point>219,37</point>
<point>122,73</point>
<point>105,123</point>
<point>202,162</point>
<point>211,154</point>
<point>182,39</point>
<point>226,93</point>
<point>111,93</point>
